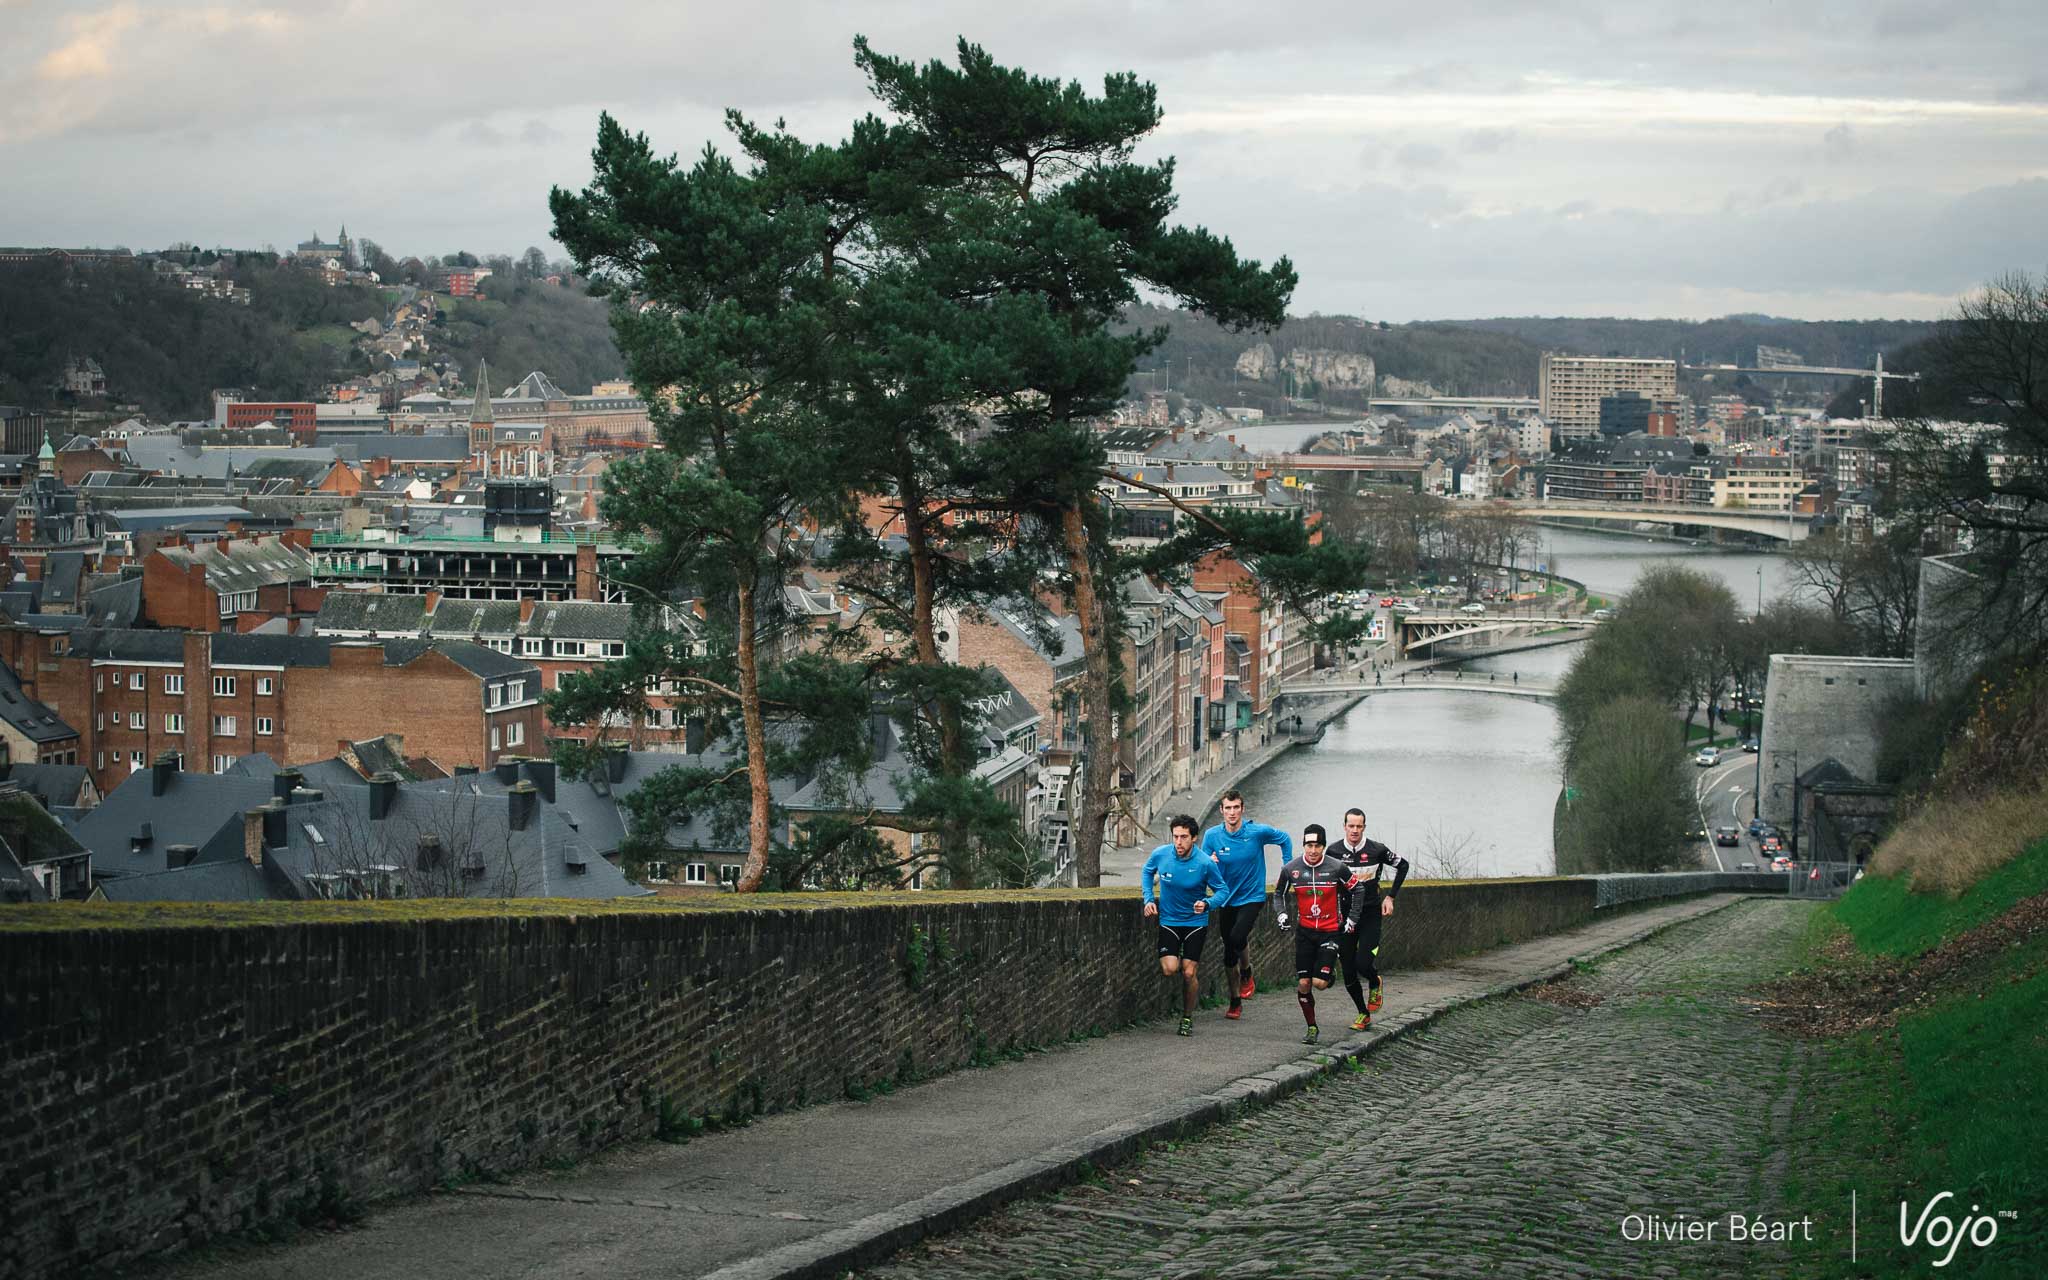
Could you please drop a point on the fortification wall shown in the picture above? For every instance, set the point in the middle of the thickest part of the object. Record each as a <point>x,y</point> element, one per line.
<point>173,1083</point>
<point>1816,707</point>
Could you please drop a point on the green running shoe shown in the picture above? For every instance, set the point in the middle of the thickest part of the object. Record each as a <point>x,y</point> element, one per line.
<point>1187,1025</point>
<point>1310,1038</point>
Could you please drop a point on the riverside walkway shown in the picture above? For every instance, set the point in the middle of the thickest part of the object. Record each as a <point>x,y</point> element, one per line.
<point>1470,1099</point>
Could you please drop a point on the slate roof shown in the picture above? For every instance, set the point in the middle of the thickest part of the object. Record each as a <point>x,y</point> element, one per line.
<point>304,471</point>
<point>200,809</point>
<point>371,611</point>
<point>117,604</point>
<point>155,519</point>
<point>579,620</point>
<point>128,645</point>
<point>62,571</point>
<point>230,880</point>
<point>479,661</point>
<point>28,717</point>
<point>436,447</point>
<point>244,565</point>
<point>55,786</point>
<point>459,619</point>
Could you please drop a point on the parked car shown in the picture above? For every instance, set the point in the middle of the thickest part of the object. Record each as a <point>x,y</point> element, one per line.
<point>1727,836</point>
<point>1474,607</point>
<point>1602,615</point>
<point>1708,757</point>
<point>1751,745</point>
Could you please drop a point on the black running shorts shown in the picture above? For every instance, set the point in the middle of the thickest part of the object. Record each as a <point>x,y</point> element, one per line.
<point>1183,940</point>
<point>1315,954</point>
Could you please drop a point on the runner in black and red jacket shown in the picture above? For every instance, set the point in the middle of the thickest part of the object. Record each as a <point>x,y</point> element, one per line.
<point>1359,950</point>
<point>1312,893</point>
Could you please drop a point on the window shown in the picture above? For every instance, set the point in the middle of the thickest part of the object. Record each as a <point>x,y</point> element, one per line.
<point>728,873</point>
<point>99,682</point>
<point>174,684</point>
<point>99,759</point>
<point>497,694</point>
<point>263,726</point>
<point>136,680</point>
<point>615,649</point>
<point>494,739</point>
<point>134,759</point>
<point>694,873</point>
<point>223,726</point>
<point>99,721</point>
<point>221,763</point>
<point>174,723</point>
<point>568,648</point>
<point>223,686</point>
<point>135,720</point>
<point>515,691</point>
<point>263,686</point>
<point>529,648</point>
<point>515,734</point>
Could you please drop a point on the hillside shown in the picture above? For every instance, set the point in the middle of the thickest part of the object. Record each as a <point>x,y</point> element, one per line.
<point>166,349</point>
<point>1484,357</point>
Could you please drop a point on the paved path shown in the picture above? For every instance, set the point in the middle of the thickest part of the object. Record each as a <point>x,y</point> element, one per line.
<point>1508,1138</point>
<point>809,1192</point>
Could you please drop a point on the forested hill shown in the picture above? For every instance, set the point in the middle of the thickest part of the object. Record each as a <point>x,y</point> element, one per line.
<point>166,348</point>
<point>1483,357</point>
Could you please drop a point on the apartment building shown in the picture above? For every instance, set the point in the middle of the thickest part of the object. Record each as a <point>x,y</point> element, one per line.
<point>1572,387</point>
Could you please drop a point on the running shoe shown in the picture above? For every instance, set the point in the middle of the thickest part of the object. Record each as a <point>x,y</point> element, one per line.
<point>1187,1025</point>
<point>1310,1038</point>
<point>1247,987</point>
<point>1373,1000</point>
<point>1234,1012</point>
<point>1361,1022</point>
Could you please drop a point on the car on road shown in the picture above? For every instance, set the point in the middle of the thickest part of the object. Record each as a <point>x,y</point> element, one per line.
<point>1474,607</point>
<point>1771,844</point>
<point>1745,866</point>
<point>1751,745</point>
<point>1758,827</point>
<point>1386,602</point>
<point>1708,757</point>
<point>1727,836</point>
<point>1781,863</point>
<point>1602,615</point>
<point>1406,610</point>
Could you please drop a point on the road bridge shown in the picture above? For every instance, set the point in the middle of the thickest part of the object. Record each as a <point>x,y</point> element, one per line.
<point>1420,631</point>
<point>1782,526</point>
<point>1350,685</point>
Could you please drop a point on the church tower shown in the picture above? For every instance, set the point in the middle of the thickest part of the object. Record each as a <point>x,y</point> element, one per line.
<point>481,421</point>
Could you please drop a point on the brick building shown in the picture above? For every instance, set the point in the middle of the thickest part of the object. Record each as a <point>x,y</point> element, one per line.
<point>228,586</point>
<point>299,417</point>
<point>212,698</point>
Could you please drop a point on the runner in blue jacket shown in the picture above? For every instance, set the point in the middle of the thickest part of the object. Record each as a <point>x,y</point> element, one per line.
<point>1188,883</point>
<point>1239,848</point>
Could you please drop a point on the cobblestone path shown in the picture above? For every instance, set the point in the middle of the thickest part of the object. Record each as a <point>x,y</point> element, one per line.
<point>1514,1138</point>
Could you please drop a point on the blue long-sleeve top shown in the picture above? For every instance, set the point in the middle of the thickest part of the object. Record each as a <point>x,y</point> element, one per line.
<point>1243,859</point>
<point>1182,883</point>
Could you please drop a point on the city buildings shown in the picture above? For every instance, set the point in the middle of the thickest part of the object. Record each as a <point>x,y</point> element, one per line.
<point>1570,388</point>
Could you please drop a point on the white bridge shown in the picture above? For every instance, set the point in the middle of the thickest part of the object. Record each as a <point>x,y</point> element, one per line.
<point>1418,631</point>
<point>1784,526</point>
<point>1350,684</point>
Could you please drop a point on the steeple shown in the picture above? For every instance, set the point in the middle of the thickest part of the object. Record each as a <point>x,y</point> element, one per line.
<point>46,457</point>
<point>480,409</point>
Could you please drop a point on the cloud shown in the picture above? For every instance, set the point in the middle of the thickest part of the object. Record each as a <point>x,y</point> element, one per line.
<point>1838,144</point>
<point>89,53</point>
<point>1423,157</point>
<point>1487,141</point>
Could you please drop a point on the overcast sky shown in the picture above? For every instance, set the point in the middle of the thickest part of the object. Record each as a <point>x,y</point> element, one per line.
<point>1820,160</point>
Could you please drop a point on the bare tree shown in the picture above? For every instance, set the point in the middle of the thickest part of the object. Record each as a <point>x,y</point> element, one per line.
<point>430,845</point>
<point>1445,854</point>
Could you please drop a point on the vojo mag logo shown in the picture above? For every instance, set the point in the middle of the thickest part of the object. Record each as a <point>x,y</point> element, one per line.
<point>1942,1232</point>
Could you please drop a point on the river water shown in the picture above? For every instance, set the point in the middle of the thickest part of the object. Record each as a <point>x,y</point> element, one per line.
<point>1474,772</point>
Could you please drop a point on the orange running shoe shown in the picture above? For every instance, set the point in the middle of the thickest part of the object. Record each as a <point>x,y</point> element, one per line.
<point>1233,1013</point>
<point>1373,999</point>
<point>1246,988</point>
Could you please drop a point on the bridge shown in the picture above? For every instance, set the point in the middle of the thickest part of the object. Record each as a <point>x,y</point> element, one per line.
<point>1419,631</point>
<point>1784,526</point>
<point>1470,682</point>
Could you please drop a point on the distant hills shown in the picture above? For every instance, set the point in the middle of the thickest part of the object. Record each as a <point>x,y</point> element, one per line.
<point>165,348</point>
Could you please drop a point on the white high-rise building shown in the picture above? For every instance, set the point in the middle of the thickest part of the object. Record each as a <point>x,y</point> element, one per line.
<point>1571,388</point>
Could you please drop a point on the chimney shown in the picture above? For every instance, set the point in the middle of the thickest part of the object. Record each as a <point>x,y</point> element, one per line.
<point>284,782</point>
<point>883,732</point>
<point>180,855</point>
<point>693,736</point>
<point>429,854</point>
<point>465,771</point>
<point>525,610</point>
<point>306,795</point>
<point>525,803</point>
<point>252,835</point>
<point>542,774</point>
<point>506,770</point>
<point>160,772</point>
<point>615,764</point>
<point>276,826</point>
<point>383,790</point>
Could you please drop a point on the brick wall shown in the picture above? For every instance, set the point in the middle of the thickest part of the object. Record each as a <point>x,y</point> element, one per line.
<point>174,1084</point>
<point>436,704</point>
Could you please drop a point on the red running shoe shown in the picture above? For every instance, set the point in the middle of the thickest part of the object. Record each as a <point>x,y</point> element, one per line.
<point>1374,998</point>
<point>1233,1013</point>
<point>1246,988</point>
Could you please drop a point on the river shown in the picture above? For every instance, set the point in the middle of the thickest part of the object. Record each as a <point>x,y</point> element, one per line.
<point>1475,772</point>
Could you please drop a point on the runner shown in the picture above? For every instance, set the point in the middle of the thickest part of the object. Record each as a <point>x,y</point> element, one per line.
<point>1187,887</point>
<point>1239,848</point>
<point>1360,950</point>
<point>1320,887</point>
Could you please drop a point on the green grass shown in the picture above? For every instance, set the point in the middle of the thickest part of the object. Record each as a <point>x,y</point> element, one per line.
<point>1886,917</point>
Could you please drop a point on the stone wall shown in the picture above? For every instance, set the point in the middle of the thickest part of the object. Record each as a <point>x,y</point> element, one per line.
<point>173,1084</point>
<point>1819,707</point>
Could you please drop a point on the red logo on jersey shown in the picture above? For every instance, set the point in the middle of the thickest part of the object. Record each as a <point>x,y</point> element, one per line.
<point>1317,906</point>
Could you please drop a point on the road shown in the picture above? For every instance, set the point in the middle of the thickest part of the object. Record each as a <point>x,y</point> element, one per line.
<point>1513,1138</point>
<point>1723,793</point>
